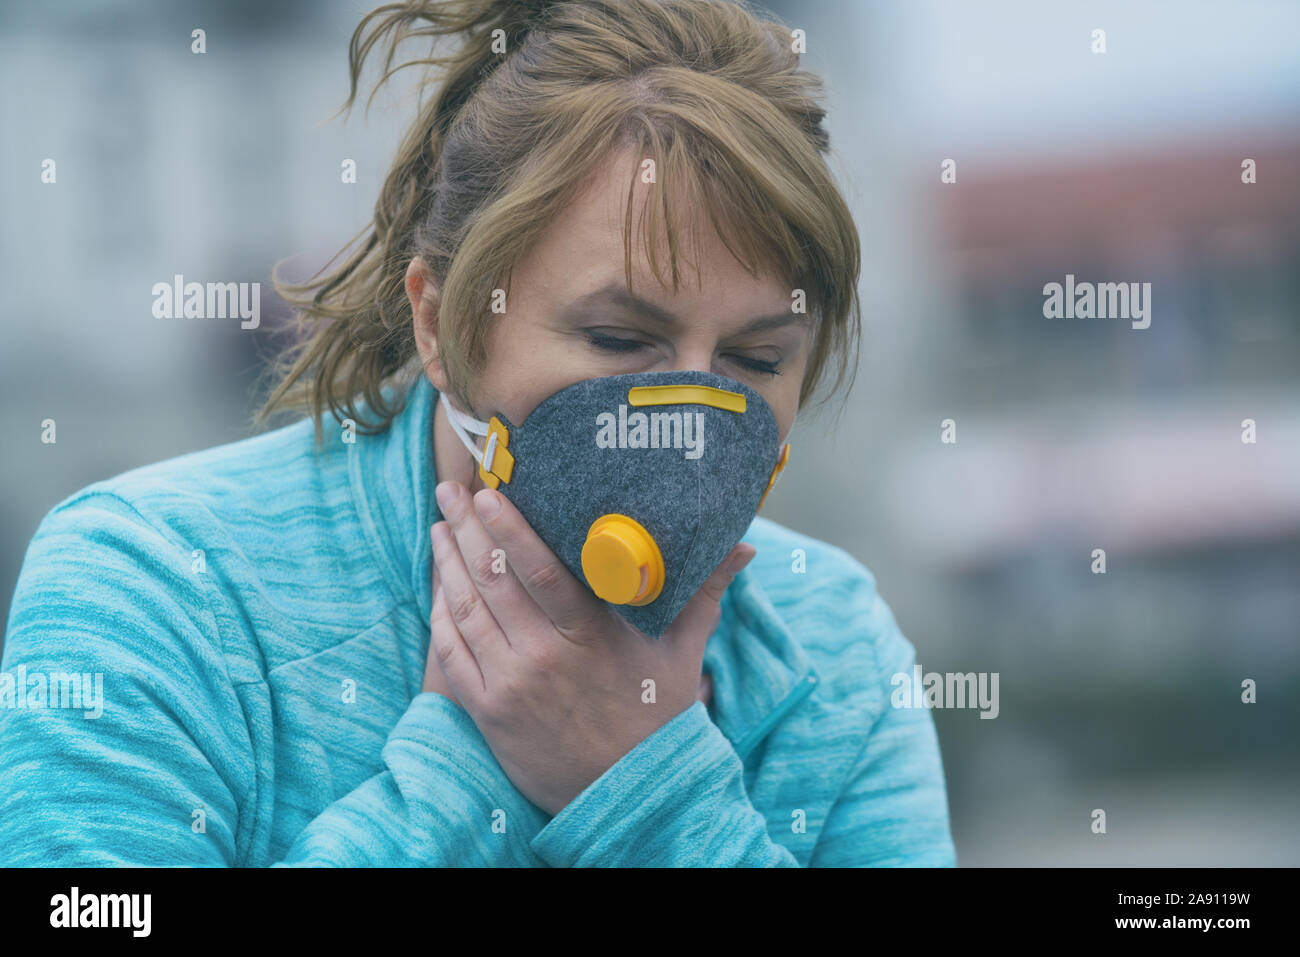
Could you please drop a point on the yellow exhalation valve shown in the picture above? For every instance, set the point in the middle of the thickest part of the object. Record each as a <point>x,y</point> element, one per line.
<point>622,562</point>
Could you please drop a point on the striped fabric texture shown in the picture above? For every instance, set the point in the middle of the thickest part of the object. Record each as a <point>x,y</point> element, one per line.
<point>216,661</point>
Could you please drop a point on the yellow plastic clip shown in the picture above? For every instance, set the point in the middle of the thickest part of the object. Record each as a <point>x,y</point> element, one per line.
<point>780,464</point>
<point>498,463</point>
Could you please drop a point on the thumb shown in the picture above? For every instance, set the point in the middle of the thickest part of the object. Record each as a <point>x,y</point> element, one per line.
<point>695,622</point>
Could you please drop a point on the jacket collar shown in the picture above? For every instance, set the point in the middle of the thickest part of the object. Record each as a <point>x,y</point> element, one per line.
<point>758,668</point>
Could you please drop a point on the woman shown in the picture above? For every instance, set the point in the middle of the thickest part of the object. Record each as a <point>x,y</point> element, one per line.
<point>337,644</point>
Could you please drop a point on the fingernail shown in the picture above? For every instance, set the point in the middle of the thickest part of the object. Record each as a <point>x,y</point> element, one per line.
<point>485,502</point>
<point>740,560</point>
<point>445,493</point>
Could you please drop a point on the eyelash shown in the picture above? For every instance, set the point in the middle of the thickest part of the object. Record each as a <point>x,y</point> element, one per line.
<point>614,344</point>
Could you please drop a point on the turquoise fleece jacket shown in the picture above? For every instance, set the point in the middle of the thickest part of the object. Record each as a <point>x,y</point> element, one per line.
<point>251,623</point>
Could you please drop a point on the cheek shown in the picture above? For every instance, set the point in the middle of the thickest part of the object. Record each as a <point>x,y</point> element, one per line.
<point>515,376</point>
<point>785,406</point>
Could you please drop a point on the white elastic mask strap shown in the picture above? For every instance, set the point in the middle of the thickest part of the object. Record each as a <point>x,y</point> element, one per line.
<point>460,421</point>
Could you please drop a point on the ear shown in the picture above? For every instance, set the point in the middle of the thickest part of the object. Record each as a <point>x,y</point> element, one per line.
<point>422,291</point>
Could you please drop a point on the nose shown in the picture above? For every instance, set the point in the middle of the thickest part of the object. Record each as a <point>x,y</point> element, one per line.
<point>694,359</point>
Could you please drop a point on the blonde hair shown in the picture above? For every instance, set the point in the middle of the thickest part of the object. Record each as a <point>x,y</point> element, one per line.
<point>709,91</point>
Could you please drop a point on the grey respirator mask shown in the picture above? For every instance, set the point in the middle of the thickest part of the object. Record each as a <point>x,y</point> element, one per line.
<point>640,484</point>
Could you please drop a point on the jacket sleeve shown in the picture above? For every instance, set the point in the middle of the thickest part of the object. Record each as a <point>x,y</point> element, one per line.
<point>675,800</point>
<point>164,773</point>
<point>439,803</point>
<point>678,798</point>
<point>893,812</point>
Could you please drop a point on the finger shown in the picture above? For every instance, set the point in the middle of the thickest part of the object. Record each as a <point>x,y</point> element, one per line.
<point>568,603</point>
<point>465,606</point>
<point>510,604</point>
<point>452,655</point>
<point>706,688</point>
<point>696,622</point>
<point>434,678</point>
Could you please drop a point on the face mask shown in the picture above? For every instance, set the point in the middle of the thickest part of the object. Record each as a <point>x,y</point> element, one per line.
<point>640,484</point>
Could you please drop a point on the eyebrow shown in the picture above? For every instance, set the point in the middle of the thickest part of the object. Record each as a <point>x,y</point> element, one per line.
<point>618,296</point>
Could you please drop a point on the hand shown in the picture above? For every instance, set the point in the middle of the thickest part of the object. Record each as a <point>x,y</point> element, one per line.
<point>436,681</point>
<point>550,674</point>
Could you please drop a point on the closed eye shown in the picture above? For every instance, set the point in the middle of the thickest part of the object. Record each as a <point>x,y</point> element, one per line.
<point>618,345</point>
<point>612,343</point>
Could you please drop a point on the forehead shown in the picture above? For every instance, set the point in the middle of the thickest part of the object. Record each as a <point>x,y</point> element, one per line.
<point>583,248</point>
